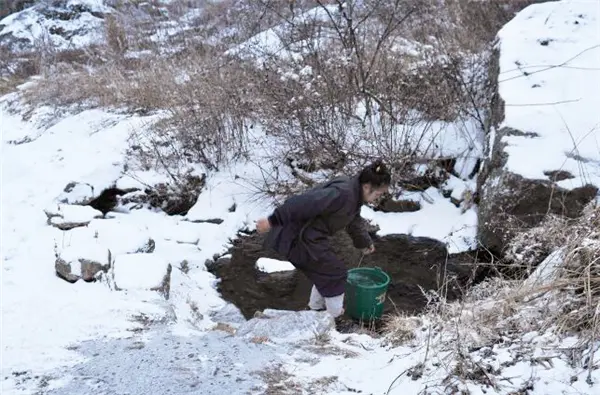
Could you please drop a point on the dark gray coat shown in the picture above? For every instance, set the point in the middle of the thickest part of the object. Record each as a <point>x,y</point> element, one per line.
<point>302,226</point>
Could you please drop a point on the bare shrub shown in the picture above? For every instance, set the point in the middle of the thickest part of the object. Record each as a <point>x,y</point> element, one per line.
<point>335,84</point>
<point>116,38</point>
<point>580,275</point>
<point>531,247</point>
<point>561,297</point>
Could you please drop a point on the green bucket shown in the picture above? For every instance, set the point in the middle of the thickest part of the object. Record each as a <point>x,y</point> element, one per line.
<point>365,293</point>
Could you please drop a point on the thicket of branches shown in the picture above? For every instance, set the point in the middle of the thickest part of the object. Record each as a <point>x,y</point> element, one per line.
<point>337,83</point>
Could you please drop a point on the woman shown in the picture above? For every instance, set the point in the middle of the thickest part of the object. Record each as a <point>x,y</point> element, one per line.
<point>300,230</point>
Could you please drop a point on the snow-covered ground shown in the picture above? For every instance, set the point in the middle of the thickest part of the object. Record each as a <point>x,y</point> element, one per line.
<point>70,332</point>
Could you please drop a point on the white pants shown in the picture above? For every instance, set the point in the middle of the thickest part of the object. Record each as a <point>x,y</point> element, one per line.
<point>333,305</point>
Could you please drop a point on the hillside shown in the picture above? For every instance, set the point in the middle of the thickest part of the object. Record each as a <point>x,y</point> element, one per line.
<point>141,142</point>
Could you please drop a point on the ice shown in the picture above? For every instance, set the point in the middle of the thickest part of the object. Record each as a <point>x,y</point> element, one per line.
<point>287,326</point>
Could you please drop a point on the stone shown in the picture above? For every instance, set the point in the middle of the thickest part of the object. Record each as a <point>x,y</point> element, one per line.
<point>399,206</point>
<point>82,262</point>
<point>68,216</point>
<point>77,193</point>
<point>148,247</point>
<point>508,202</point>
<point>63,270</point>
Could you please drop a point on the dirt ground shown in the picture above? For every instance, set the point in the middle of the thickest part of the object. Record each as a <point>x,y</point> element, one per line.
<point>410,262</point>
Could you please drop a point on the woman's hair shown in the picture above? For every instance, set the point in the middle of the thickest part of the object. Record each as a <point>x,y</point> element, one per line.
<point>376,174</point>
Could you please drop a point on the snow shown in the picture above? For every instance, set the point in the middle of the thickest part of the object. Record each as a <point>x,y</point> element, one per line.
<point>549,78</point>
<point>76,193</point>
<point>275,43</point>
<point>66,213</point>
<point>139,271</point>
<point>438,218</point>
<point>37,26</point>
<point>459,187</point>
<point>268,265</point>
<point>43,315</point>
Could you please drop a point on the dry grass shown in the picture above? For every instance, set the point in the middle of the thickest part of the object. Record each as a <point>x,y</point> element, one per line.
<point>224,328</point>
<point>401,329</point>
<point>561,297</point>
<point>279,382</point>
<point>527,249</point>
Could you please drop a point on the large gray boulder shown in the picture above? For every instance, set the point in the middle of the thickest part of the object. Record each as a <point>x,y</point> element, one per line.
<point>541,149</point>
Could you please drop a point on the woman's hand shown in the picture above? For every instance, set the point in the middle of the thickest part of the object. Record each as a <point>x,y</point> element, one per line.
<point>263,225</point>
<point>369,250</point>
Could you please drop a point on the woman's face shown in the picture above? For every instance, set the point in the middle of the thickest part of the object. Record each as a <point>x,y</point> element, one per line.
<point>371,194</point>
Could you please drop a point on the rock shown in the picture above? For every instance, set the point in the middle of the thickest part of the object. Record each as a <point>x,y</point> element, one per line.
<point>516,193</point>
<point>66,25</point>
<point>399,206</point>
<point>89,269</point>
<point>148,247</point>
<point>558,175</point>
<point>287,326</point>
<point>510,204</point>
<point>64,271</point>
<point>120,235</point>
<point>77,193</point>
<point>229,314</point>
<point>142,271</point>
<point>214,221</point>
<point>185,232</point>
<point>107,200</point>
<point>67,216</point>
<point>82,262</point>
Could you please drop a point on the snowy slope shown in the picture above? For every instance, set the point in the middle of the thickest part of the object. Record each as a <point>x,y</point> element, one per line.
<point>549,79</point>
<point>67,25</point>
<point>42,315</point>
